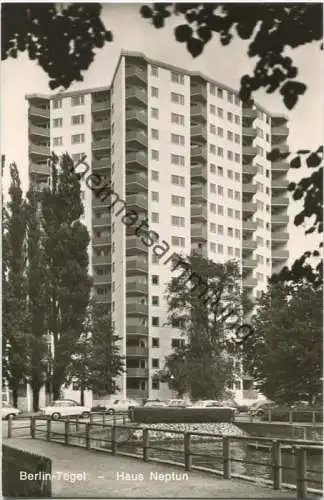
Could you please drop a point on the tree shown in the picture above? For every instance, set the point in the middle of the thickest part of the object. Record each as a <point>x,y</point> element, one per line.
<point>15,314</point>
<point>285,355</point>
<point>97,362</point>
<point>60,37</point>
<point>207,310</point>
<point>67,285</point>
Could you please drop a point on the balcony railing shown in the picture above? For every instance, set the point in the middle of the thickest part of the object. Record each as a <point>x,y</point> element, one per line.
<point>280,236</point>
<point>101,279</point>
<point>100,202</point>
<point>38,111</point>
<point>279,219</point>
<point>280,254</point>
<point>199,232</point>
<point>136,265</point>
<point>136,73</point>
<point>137,372</point>
<point>249,132</point>
<point>136,308</point>
<point>100,125</point>
<point>136,182</point>
<point>199,131</point>
<point>280,166</point>
<point>249,207</point>
<point>199,192</point>
<point>249,188</point>
<point>99,260</point>
<point>100,106</point>
<point>249,170</point>
<point>134,287</point>
<point>103,163</point>
<point>198,91</point>
<point>199,152</point>
<point>133,243</point>
<point>280,131</point>
<point>39,131</point>
<point>249,113</point>
<point>43,169</point>
<point>249,245</point>
<point>199,212</point>
<point>136,159</point>
<point>137,94</point>
<point>250,263</point>
<point>135,350</point>
<point>250,282</point>
<point>250,151</point>
<point>199,172</point>
<point>101,221</point>
<point>37,149</point>
<point>136,329</point>
<point>280,184</point>
<point>136,115</point>
<point>199,110</point>
<point>279,201</point>
<point>249,225</point>
<point>101,144</point>
<point>137,201</point>
<point>101,241</point>
<point>283,148</point>
<point>136,136</point>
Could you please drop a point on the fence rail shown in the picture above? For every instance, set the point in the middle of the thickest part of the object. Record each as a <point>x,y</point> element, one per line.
<point>114,433</point>
<point>291,416</point>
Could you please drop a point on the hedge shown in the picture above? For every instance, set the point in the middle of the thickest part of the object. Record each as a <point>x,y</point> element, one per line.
<point>181,415</point>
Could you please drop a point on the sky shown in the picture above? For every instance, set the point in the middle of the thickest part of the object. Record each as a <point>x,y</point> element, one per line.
<point>225,64</point>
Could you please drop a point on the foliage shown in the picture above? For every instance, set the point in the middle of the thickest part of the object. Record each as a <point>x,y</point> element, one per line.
<point>60,37</point>
<point>285,355</point>
<point>205,364</point>
<point>67,285</point>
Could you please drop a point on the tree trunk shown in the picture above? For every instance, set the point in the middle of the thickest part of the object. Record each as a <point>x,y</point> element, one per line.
<point>15,397</point>
<point>56,388</point>
<point>82,394</point>
<point>35,391</point>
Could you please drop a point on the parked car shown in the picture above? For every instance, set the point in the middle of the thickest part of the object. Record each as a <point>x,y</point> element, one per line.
<point>259,408</point>
<point>9,411</point>
<point>209,403</point>
<point>178,403</point>
<point>230,403</point>
<point>120,405</point>
<point>65,407</point>
<point>154,403</point>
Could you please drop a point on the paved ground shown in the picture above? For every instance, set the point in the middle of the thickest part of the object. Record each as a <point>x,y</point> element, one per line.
<point>106,476</point>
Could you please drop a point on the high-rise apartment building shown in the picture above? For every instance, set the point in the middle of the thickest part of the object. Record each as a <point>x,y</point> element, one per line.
<point>190,161</point>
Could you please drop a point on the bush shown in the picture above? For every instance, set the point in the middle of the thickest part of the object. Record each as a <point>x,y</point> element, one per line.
<point>182,415</point>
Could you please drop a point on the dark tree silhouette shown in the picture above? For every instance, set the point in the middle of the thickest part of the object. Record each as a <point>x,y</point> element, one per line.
<point>61,37</point>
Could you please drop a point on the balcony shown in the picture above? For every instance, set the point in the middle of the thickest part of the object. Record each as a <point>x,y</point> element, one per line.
<point>249,245</point>
<point>280,254</point>
<point>101,144</point>
<point>249,113</point>
<point>136,350</point>
<point>278,120</point>
<point>199,212</point>
<point>136,159</point>
<point>249,208</point>
<point>135,201</point>
<point>249,263</point>
<point>135,74</point>
<point>198,153</point>
<point>136,287</point>
<point>136,95</point>
<point>283,148</point>
<point>198,92</point>
<point>281,219</point>
<point>250,151</point>
<point>101,241</point>
<point>36,149</point>
<point>250,282</point>
<point>135,139</point>
<point>135,264</point>
<point>199,132</point>
<point>279,201</point>
<point>280,131</point>
<point>279,236</point>
<point>39,131</point>
<point>134,244</point>
<point>101,279</point>
<point>199,192</point>
<point>199,233</point>
<point>280,184</point>
<point>249,132</point>
<point>39,111</point>
<point>100,125</point>
<point>41,169</point>
<point>100,106</point>
<point>199,172</point>
<point>249,170</point>
<point>137,372</point>
<point>102,202</point>
<point>136,182</point>
<point>99,260</point>
<point>249,225</point>
<point>280,166</point>
<point>249,188</point>
<point>136,329</point>
<point>136,308</point>
<point>101,221</point>
<point>103,163</point>
<point>199,111</point>
<point>136,117</point>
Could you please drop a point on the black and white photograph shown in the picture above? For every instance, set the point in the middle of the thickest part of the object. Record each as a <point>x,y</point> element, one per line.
<point>162,253</point>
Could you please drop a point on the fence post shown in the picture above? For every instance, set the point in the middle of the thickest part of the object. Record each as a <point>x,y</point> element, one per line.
<point>187,451</point>
<point>251,417</point>
<point>32,427</point>
<point>290,416</point>
<point>145,444</point>
<point>10,426</point>
<point>226,458</point>
<point>113,441</point>
<point>91,418</point>
<point>313,417</point>
<point>276,465</point>
<point>301,464</point>
<point>114,418</point>
<point>124,419</point>
<point>66,431</point>
<point>48,428</point>
<point>87,435</point>
<point>269,416</point>
<point>103,418</point>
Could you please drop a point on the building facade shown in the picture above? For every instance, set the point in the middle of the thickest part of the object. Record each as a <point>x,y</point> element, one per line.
<point>189,161</point>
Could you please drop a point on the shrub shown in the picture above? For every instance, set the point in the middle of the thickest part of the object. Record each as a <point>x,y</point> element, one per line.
<point>182,415</point>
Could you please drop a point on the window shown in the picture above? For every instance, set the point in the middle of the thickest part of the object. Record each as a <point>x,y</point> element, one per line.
<point>77,120</point>
<point>154,113</point>
<point>237,120</point>
<point>155,175</point>
<point>230,116</point>
<point>230,193</point>
<point>220,112</point>
<point>177,241</point>
<point>177,160</point>
<point>220,209</point>
<point>155,217</point>
<point>155,154</point>
<point>237,176</point>
<point>220,248</point>
<point>230,251</point>
<point>212,149</point>
<point>155,342</point>
<point>237,214</point>
<point>220,229</point>
<point>155,300</point>
<point>237,196</point>
<point>155,384</point>
<point>155,259</point>
<point>177,98</point>
<point>77,100</point>
<point>237,100</point>
<point>155,321</point>
<point>229,135</point>
<point>57,103</point>
<point>220,190</point>
<point>155,279</point>
<point>237,233</point>
<point>155,363</point>
<point>177,200</point>
<point>212,109</point>
<point>154,71</point>
<point>155,196</point>
<point>230,155</point>
<point>212,128</point>
<point>154,133</point>
<point>57,141</point>
<point>230,212</point>
<point>77,138</point>
<point>220,171</point>
<point>58,122</point>
<point>212,168</point>
<point>178,180</point>
<point>177,78</point>
<point>177,139</point>
<point>154,92</point>
<point>212,208</point>
<point>178,119</point>
<point>212,188</point>
<point>230,174</point>
<point>237,158</point>
<point>177,221</point>
<point>212,88</point>
<point>212,227</point>
<point>220,131</point>
<point>220,93</point>
<point>230,96</point>
<point>237,252</point>
<point>220,151</point>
